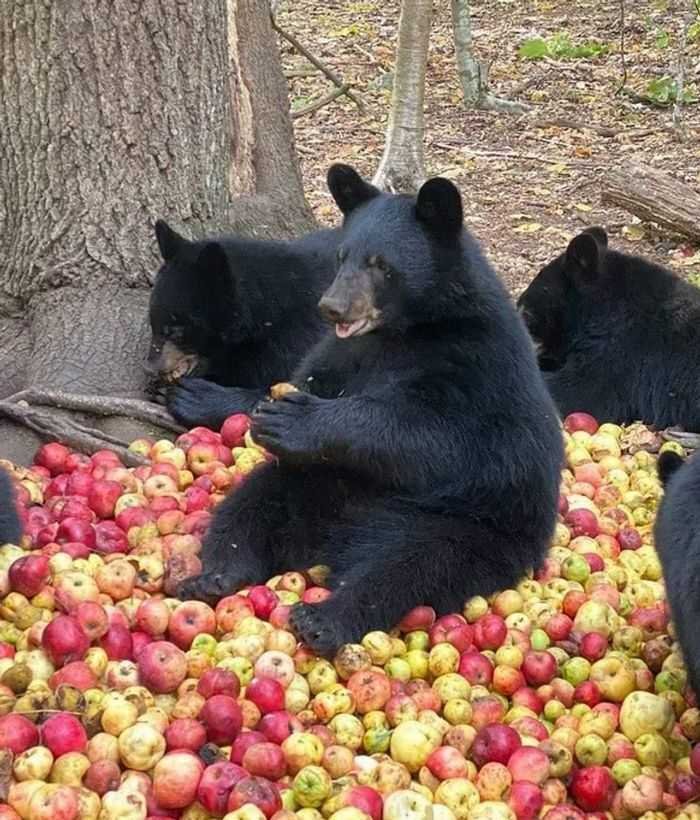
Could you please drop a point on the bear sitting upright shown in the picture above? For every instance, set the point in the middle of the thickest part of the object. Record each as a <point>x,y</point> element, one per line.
<point>677,540</point>
<point>421,458</point>
<point>235,316</point>
<point>616,335</point>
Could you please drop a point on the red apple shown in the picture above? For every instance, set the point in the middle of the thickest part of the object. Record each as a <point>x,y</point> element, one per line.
<point>102,776</point>
<point>267,694</point>
<point>490,631</point>
<point>219,682</point>
<point>29,574</point>
<point>63,733</point>
<point>265,760</point>
<point>277,726</point>
<point>63,640</point>
<point>446,762</point>
<point>162,667</point>
<point>102,497</point>
<point>593,646</point>
<point>582,522</point>
<point>593,788</point>
<point>176,779</point>
<point>243,742</point>
<point>117,643</point>
<point>365,799</point>
<point>494,743</point>
<point>77,674</point>
<point>152,617</point>
<point>185,733</point>
<point>222,718</point>
<point>17,733</point>
<point>259,792</point>
<point>233,430</point>
<point>539,667</point>
<point>263,600</point>
<point>529,763</point>
<point>581,421</point>
<point>52,456</point>
<point>110,538</point>
<point>420,617</point>
<point>189,620</point>
<point>476,668</point>
<point>526,800</point>
<point>629,538</point>
<point>216,785</point>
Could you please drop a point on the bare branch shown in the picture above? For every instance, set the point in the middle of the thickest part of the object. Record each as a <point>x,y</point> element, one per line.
<point>314,106</point>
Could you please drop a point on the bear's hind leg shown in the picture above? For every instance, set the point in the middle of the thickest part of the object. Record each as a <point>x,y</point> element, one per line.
<point>396,561</point>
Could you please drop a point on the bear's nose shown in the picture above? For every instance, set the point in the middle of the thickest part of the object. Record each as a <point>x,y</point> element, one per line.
<point>332,309</point>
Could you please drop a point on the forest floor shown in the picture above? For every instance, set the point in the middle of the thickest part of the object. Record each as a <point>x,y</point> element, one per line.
<point>529,182</point>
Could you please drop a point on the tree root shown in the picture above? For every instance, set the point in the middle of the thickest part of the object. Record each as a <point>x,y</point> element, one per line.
<point>77,435</point>
<point>136,409</point>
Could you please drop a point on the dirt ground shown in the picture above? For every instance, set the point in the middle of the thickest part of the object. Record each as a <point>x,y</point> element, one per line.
<point>528,184</point>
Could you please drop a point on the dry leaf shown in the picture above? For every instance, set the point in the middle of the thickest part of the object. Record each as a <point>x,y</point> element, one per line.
<point>582,206</point>
<point>633,232</point>
<point>528,227</point>
<point>559,168</point>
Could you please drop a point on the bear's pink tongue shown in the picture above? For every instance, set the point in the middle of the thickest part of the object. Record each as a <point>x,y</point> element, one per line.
<point>344,330</point>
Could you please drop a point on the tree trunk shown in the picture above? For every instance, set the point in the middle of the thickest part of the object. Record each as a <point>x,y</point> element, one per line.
<point>402,167</point>
<point>655,197</point>
<point>473,76</point>
<point>115,113</point>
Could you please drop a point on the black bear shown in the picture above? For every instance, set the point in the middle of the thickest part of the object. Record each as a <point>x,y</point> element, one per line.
<point>420,459</point>
<point>10,529</point>
<point>677,541</point>
<point>617,335</point>
<point>230,317</point>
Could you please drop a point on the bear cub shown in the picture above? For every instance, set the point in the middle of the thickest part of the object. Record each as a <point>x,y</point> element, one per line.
<point>420,459</point>
<point>677,540</point>
<point>616,335</point>
<point>231,316</point>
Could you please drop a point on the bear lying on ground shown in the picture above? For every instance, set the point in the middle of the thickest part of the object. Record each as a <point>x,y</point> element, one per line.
<point>10,529</point>
<point>231,316</point>
<point>677,541</point>
<point>617,335</point>
<point>421,458</point>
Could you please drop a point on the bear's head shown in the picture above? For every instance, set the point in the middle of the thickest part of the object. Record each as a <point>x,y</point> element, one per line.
<point>191,308</point>
<point>396,255</point>
<point>549,300</point>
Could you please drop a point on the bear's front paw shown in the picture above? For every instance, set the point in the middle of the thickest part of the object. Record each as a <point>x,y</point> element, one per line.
<point>321,627</point>
<point>288,428</point>
<point>209,587</point>
<point>196,402</point>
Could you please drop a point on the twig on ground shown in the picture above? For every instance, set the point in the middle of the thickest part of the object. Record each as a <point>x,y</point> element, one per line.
<point>514,155</point>
<point>322,67</point>
<point>327,98</point>
<point>565,122</point>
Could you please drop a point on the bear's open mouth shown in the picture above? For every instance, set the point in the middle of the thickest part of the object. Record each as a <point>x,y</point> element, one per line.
<point>344,330</point>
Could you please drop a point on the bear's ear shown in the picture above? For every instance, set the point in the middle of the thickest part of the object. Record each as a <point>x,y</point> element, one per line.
<point>170,243</point>
<point>585,257</point>
<point>213,270</point>
<point>348,188</point>
<point>598,234</point>
<point>439,207</point>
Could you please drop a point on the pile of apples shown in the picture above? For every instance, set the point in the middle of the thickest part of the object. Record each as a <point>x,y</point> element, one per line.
<point>564,698</point>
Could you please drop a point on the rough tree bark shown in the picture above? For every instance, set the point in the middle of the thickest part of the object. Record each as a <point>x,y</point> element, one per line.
<point>402,167</point>
<point>114,113</point>
<point>473,75</point>
<point>655,197</point>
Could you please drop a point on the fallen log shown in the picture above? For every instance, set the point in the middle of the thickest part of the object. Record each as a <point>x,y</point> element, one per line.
<point>654,197</point>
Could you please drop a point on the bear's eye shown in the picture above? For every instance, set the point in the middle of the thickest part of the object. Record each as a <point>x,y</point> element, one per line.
<point>380,264</point>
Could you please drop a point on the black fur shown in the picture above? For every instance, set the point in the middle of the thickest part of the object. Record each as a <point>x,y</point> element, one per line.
<point>617,335</point>
<point>677,540</point>
<point>421,460</point>
<point>10,529</point>
<point>237,315</point>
